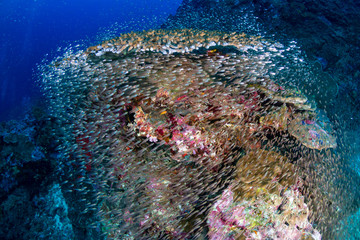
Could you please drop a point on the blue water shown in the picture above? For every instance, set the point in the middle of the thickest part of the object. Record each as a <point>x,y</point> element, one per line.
<point>30,29</point>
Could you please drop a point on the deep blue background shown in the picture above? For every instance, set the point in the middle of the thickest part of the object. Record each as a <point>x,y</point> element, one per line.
<point>30,29</point>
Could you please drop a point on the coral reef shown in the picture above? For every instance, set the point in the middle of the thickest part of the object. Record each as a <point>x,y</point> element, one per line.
<point>32,204</point>
<point>269,215</point>
<point>324,30</point>
<point>264,201</point>
<point>43,216</point>
<point>191,134</point>
<point>159,125</point>
<point>26,148</point>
